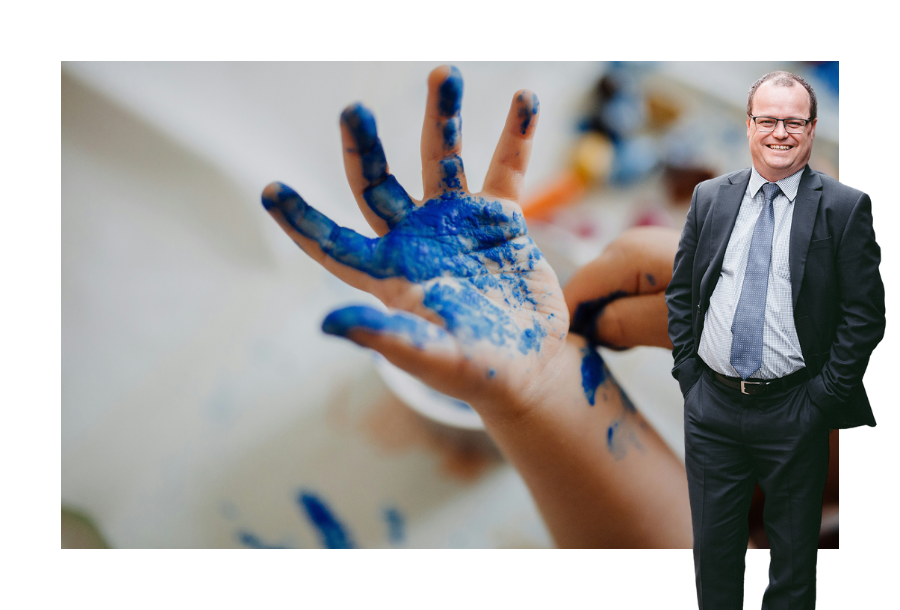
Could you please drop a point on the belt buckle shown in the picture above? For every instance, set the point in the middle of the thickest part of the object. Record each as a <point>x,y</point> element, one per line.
<point>743,390</point>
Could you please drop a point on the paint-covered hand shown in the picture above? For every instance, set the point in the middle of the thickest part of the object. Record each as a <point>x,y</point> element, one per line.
<point>476,310</point>
<point>618,299</point>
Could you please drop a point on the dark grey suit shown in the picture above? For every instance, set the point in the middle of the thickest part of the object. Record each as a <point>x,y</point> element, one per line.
<point>838,302</point>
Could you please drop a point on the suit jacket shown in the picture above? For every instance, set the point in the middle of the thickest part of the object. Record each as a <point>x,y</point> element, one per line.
<point>836,288</point>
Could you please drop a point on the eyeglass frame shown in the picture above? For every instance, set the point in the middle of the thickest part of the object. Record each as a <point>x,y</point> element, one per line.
<point>808,121</point>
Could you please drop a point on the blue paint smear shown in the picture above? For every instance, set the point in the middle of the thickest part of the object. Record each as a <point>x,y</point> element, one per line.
<point>651,279</point>
<point>452,169</point>
<point>473,240</point>
<point>492,373</point>
<point>340,322</point>
<point>331,531</point>
<point>527,112</point>
<point>251,541</point>
<point>615,444</point>
<point>384,194</point>
<point>451,130</point>
<point>396,523</point>
<point>592,372</point>
<point>450,93</point>
<point>361,124</point>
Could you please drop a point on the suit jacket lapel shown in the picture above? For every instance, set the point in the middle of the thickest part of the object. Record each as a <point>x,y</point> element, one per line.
<point>806,207</point>
<point>724,213</point>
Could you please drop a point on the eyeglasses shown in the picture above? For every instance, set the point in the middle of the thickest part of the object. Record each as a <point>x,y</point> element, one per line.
<point>769,123</point>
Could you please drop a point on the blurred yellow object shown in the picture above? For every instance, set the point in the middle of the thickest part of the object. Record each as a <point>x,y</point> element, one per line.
<point>592,157</point>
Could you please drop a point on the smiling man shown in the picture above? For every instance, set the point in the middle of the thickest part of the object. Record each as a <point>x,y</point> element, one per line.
<point>775,306</point>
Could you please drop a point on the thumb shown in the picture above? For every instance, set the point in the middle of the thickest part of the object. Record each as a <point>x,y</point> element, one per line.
<point>413,344</point>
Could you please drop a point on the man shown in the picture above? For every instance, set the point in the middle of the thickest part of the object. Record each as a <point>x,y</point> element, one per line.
<point>775,306</point>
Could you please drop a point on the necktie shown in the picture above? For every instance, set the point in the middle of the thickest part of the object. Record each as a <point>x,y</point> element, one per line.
<point>750,315</point>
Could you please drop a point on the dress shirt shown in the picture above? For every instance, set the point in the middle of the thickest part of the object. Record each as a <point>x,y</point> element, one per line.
<point>781,347</point>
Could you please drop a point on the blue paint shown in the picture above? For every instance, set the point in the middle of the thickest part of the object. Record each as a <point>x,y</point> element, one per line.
<point>450,93</point>
<point>492,373</point>
<point>473,240</point>
<point>651,279</point>
<point>452,169</point>
<point>527,111</point>
<point>614,442</point>
<point>361,125</point>
<point>251,541</point>
<point>331,532</point>
<point>592,372</point>
<point>396,523</point>
<point>451,131</point>
<point>419,332</point>
<point>384,194</point>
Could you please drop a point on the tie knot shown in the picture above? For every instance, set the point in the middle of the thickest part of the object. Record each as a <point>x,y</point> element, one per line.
<point>770,189</point>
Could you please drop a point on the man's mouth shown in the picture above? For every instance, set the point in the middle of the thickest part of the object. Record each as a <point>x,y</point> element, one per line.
<point>779,147</point>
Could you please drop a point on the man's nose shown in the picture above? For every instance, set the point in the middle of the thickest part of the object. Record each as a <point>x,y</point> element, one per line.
<point>780,131</point>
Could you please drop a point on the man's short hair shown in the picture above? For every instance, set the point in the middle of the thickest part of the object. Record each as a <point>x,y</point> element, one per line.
<point>784,79</point>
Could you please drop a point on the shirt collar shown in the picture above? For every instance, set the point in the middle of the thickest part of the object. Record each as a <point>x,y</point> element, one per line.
<point>787,185</point>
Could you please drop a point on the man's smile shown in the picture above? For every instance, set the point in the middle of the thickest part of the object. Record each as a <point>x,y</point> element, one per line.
<point>779,147</point>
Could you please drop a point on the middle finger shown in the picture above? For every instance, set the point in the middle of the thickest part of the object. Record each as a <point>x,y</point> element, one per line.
<point>442,167</point>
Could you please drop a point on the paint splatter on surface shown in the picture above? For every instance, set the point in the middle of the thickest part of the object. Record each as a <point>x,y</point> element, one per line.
<point>332,533</point>
<point>396,524</point>
<point>592,372</point>
<point>251,541</point>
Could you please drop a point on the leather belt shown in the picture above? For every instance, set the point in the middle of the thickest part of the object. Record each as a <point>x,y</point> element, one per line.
<point>762,386</point>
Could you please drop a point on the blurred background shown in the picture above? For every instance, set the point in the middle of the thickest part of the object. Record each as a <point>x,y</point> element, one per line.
<point>201,404</point>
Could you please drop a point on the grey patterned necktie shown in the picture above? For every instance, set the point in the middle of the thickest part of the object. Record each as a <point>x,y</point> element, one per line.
<point>750,315</point>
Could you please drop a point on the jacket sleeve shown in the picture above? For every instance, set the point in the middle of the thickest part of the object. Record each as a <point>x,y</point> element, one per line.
<point>679,302</point>
<point>861,310</point>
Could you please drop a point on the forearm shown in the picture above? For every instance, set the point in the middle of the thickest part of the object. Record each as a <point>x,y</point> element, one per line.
<point>600,475</point>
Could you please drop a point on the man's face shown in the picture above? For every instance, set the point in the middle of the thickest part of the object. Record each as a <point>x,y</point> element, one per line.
<point>778,154</point>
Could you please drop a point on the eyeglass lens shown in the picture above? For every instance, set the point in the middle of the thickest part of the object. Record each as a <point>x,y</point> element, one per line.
<point>790,125</point>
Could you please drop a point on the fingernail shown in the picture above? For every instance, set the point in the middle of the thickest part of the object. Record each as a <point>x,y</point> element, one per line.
<point>275,194</point>
<point>527,110</point>
<point>340,322</point>
<point>361,123</point>
<point>450,93</point>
